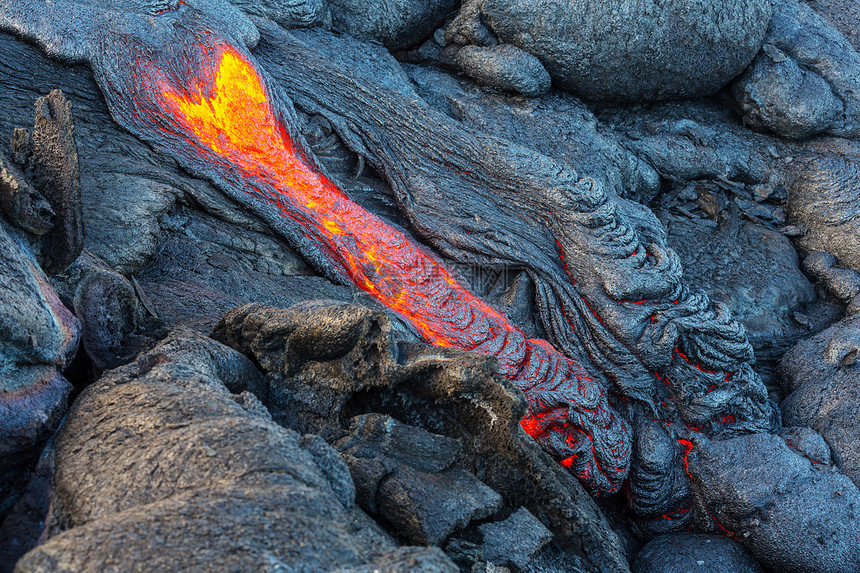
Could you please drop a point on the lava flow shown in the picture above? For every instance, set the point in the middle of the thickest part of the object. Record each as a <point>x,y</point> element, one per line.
<point>231,115</point>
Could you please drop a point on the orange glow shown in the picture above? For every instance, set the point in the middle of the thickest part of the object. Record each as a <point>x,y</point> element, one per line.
<point>231,116</point>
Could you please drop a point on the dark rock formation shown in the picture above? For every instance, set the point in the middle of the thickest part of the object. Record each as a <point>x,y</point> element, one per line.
<point>326,362</point>
<point>842,283</point>
<point>404,476</point>
<point>621,51</point>
<point>115,321</point>
<point>844,15</point>
<point>806,79</point>
<point>824,197</point>
<point>791,513</point>
<point>503,67</point>
<point>694,553</point>
<point>223,488</point>
<point>289,13</point>
<point>557,125</point>
<point>822,379</point>
<point>396,24</point>
<point>38,338</point>
<point>515,540</point>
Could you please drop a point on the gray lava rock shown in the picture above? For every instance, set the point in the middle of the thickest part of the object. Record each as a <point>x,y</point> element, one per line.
<point>325,362</point>
<point>844,284</point>
<point>805,81</point>
<point>426,508</point>
<point>159,466</point>
<point>694,140</point>
<point>751,269</point>
<point>824,197</point>
<point>503,67</point>
<point>623,51</point>
<point>416,491</point>
<point>115,323</point>
<point>844,15</point>
<point>206,266</point>
<point>694,553</point>
<point>23,206</point>
<point>289,13</point>
<point>822,376</point>
<point>790,513</point>
<point>514,540</point>
<point>38,338</point>
<point>557,124</point>
<point>396,24</point>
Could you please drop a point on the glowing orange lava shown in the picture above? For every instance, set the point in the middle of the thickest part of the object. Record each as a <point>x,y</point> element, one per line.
<point>233,118</point>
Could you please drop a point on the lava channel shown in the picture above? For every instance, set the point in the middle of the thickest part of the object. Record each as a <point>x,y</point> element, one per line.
<point>230,114</point>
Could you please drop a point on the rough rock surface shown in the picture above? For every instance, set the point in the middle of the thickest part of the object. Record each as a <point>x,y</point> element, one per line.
<point>694,553</point>
<point>396,24</point>
<point>842,283</point>
<point>515,540</point>
<point>623,51</point>
<point>289,13</point>
<point>38,338</point>
<point>805,81</point>
<point>224,488</point>
<point>822,379</point>
<point>824,197</point>
<point>406,479</point>
<point>326,362</point>
<point>504,67</point>
<point>844,15</point>
<point>557,125</point>
<point>791,512</point>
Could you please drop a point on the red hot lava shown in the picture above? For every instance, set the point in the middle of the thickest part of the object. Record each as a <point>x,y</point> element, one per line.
<point>228,115</point>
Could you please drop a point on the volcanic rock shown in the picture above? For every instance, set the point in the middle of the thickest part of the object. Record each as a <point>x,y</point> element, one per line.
<point>844,15</point>
<point>844,284</point>
<point>557,125</point>
<point>822,379</point>
<point>115,322</point>
<point>791,513</point>
<point>185,475</point>
<point>620,51</point>
<point>694,553</point>
<point>824,197</point>
<point>503,67</point>
<point>418,493</point>
<point>23,206</point>
<point>38,338</point>
<point>805,81</point>
<point>514,540</point>
<point>326,362</point>
<point>746,266</point>
<point>396,24</point>
<point>289,13</point>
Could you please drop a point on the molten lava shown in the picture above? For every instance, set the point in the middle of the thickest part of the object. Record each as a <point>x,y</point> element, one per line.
<point>568,413</point>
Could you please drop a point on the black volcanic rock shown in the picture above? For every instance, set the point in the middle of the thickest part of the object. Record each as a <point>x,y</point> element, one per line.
<point>622,51</point>
<point>159,466</point>
<point>416,491</point>
<point>694,553</point>
<point>790,512</point>
<point>824,198</point>
<point>327,362</point>
<point>822,379</point>
<point>38,338</point>
<point>806,79</point>
<point>396,24</point>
